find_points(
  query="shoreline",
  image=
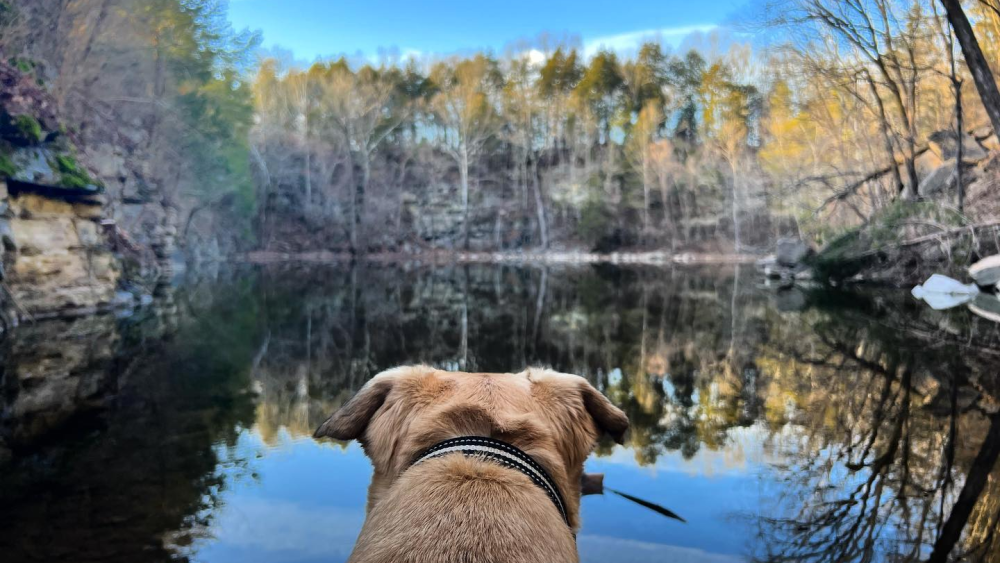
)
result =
(639, 258)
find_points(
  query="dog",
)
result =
(521, 435)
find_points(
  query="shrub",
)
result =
(28, 128)
(71, 174)
(22, 64)
(7, 168)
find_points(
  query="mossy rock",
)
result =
(71, 174)
(20, 63)
(7, 167)
(21, 130)
(877, 245)
(29, 128)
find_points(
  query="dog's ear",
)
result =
(609, 418)
(351, 420)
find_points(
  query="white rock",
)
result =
(986, 272)
(942, 292)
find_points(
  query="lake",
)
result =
(795, 425)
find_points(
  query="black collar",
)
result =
(504, 454)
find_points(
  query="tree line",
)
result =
(526, 149)
(826, 129)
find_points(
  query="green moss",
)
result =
(71, 174)
(7, 168)
(28, 128)
(22, 64)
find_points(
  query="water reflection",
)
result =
(800, 426)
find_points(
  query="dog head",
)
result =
(556, 418)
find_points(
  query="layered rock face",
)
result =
(55, 254)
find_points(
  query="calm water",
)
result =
(793, 426)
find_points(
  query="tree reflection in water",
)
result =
(874, 422)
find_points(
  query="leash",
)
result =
(503, 454)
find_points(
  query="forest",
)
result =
(814, 119)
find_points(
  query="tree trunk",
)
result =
(307, 166)
(957, 84)
(543, 226)
(911, 174)
(463, 170)
(883, 126)
(358, 242)
(975, 60)
(307, 172)
(736, 219)
(645, 191)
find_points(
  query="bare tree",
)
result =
(364, 108)
(888, 42)
(466, 108)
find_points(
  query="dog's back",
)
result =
(459, 509)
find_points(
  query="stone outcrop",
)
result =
(936, 167)
(941, 180)
(55, 254)
(791, 252)
(789, 264)
(36, 146)
(945, 145)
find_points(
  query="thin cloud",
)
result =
(629, 41)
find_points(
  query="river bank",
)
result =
(646, 258)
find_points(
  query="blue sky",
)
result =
(323, 28)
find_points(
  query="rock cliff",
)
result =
(56, 255)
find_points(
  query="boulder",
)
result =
(945, 145)
(927, 163)
(791, 252)
(986, 272)
(987, 138)
(941, 180)
(942, 292)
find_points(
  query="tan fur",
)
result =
(460, 509)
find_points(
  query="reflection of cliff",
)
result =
(115, 429)
(53, 372)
